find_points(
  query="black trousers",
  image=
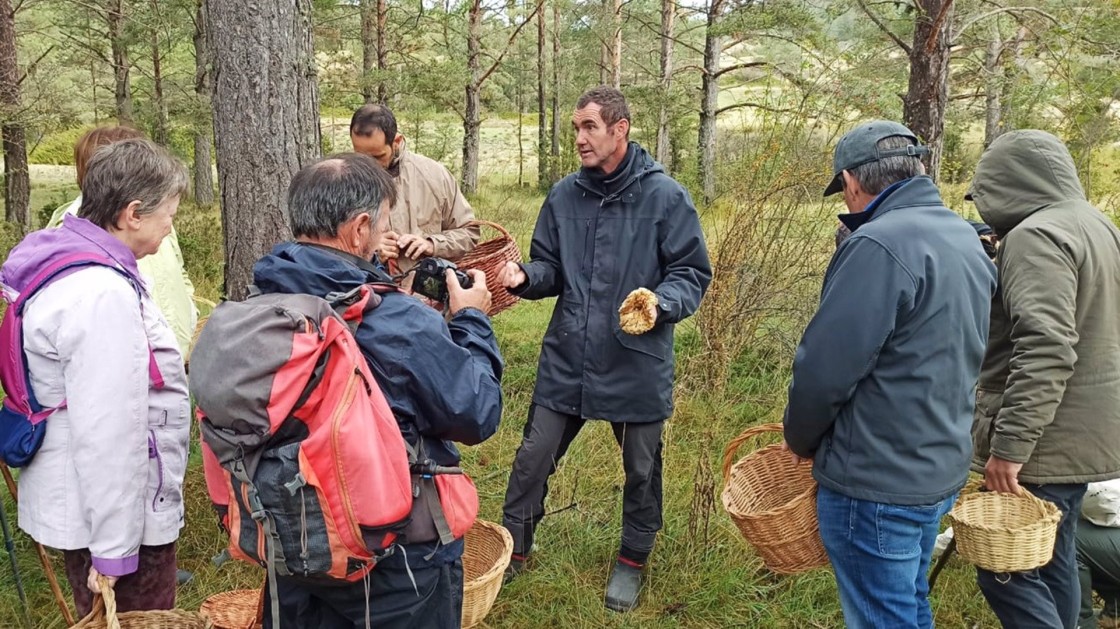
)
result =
(547, 437)
(435, 603)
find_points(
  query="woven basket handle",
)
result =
(104, 607)
(737, 442)
(480, 222)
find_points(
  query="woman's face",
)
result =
(153, 227)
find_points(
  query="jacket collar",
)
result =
(38, 249)
(910, 192)
(640, 165)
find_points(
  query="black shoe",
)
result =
(517, 565)
(183, 577)
(624, 587)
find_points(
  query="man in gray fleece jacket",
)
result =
(882, 392)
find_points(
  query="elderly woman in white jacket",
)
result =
(106, 485)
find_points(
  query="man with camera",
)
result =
(441, 380)
(430, 216)
(618, 224)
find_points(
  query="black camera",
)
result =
(430, 278)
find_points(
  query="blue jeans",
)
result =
(880, 554)
(1048, 597)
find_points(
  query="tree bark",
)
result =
(382, 51)
(554, 154)
(605, 47)
(616, 47)
(472, 112)
(928, 93)
(116, 19)
(369, 47)
(1012, 66)
(668, 17)
(993, 87)
(709, 95)
(17, 182)
(266, 121)
(542, 109)
(160, 103)
(203, 171)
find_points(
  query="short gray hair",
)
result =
(336, 189)
(874, 177)
(127, 171)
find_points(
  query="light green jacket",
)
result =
(1049, 390)
(167, 279)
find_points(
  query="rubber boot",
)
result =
(517, 565)
(624, 586)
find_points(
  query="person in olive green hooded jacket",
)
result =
(1048, 399)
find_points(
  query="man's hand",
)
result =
(477, 296)
(1002, 476)
(390, 247)
(93, 585)
(415, 247)
(652, 311)
(512, 276)
(797, 460)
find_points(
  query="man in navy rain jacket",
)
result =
(442, 381)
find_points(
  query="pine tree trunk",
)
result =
(554, 155)
(616, 47)
(266, 121)
(472, 112)
(993, 87)
(160, 103)
(122, 86)
(542, 109)
(203, 170)
(17, 182)
(709, 95)
(369, 47)
(665, 76)
(928, 93)
(382, 51)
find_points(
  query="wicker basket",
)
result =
(239, 609)
(1005, 532)
(489, 257)
(104, 615)
(773, 502)
(488, 548)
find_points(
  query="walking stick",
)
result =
(10, 545)
(43, 559)
(941, 561)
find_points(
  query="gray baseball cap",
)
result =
(861, 146)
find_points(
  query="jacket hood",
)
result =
(293, 267)
(38, 249)
(1021, 173)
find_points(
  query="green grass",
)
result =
(701, 580)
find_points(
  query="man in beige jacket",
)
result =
(431, 214)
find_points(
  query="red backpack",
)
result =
(300, 444)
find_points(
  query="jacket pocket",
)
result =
(657, 343)
(165, 488)
(988, 404)
(898, 529)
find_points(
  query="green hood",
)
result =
(1021, 173)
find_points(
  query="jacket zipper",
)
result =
(336, 424)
